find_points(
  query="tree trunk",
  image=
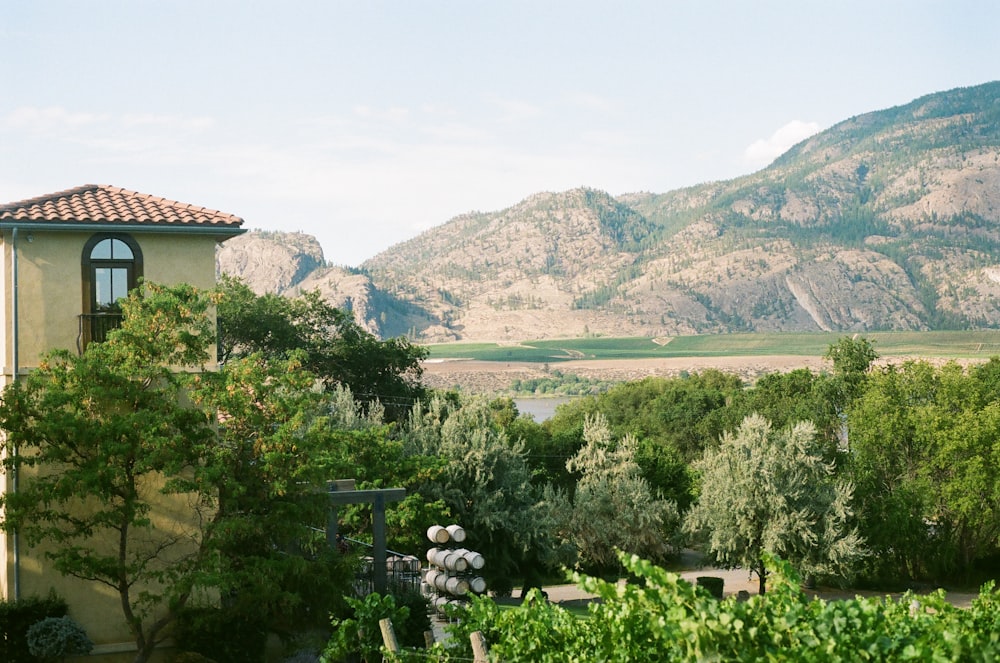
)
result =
(761, 578)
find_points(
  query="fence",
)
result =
(402, 572)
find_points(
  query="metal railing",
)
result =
(94, 328)
(402, 571)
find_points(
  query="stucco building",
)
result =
(66, 258)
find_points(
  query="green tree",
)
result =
(673, 419)
(614, 507)
(852, 359)
(108, 441)
(486, 485)
(923, 456)
(785, 398)
(336, 348)
(260, 477)
(770, 491)
(99, 439)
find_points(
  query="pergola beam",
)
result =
(342, 492)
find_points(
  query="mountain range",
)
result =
(886, 221)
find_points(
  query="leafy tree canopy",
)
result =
(770, 491)
(614, 507)
(922, 455)
(98, 441)
(106, 442)
(486, 484)
(336, 348)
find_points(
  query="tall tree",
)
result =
(923, 455)
(113, 444)
(852, 358)
(614, 506)
(336, 348)
(264, 470)
(486, 485)
(98, 440)
(766, 490)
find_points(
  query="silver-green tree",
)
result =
(486, 485)
(613, 506)
(767, 490)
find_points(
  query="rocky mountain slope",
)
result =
(889, 220)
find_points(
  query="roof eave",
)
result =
(226, 231)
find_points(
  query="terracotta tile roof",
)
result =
(99, 203)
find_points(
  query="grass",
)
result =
(576, 607)
(946, 344)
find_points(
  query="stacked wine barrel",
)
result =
(452, 574)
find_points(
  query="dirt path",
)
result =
(737, 580)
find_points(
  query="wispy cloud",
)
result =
(515, 110)
(765, 150)
(358, 180)
(51, 119)
(171, 122)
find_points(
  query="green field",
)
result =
(948, 344)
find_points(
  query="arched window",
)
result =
(112, 265)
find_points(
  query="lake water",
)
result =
(540, 409)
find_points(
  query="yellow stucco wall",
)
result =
(50, 299)
(50, 282)
(97, 607)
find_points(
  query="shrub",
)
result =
(713, 585)
(55, 638)
(16, 617)
(410, 632)
(221, 635)
(362, 635)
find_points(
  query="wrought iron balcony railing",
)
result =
(94, 328)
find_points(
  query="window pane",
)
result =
(110, 285)
(119, 283)
(102, 251)
(102, 286)
(120, 250)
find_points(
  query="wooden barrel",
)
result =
(475, 560)
(456, 532)
(447, 559)
(438, 534)
(478, 584)
(410, 563)
(442, 602)
(451, 584)
(456, 586)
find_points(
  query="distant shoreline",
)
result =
(478, 376)
(489, 377)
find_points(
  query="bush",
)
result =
(410, 632)
(16, 617)
(714, 586)
(361, 636)
(55, 638)
(667, 619)
(221, 635)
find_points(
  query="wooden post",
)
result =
(479, 650)
(378, 498)
(388, 635)
(378, 542)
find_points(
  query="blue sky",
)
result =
(364, 123)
